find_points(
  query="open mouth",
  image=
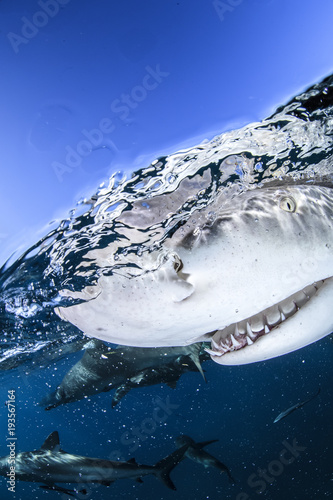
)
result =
(248, 331)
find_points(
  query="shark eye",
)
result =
(288, 204)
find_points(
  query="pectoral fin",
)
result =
(194, 355)
(121, 391)
(206, 443)
(60, 489)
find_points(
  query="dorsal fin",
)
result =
(51, 442)
(172, 384)
(132, 461)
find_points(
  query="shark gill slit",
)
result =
(248, 331)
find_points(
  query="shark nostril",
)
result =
(177, 264)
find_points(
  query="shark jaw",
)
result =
(280, 329)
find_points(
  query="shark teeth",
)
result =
(249, 341)
(246, 332)
(215, 345)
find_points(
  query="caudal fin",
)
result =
(50, 401)
(163, 468)
(224, 469)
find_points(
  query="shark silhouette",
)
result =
(196, 452)
(50, 465)
(103, 368)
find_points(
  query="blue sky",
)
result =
(89, 88)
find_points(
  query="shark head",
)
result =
(256, 281)
(296, 268)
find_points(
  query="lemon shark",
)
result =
(50, 465)
(257, 280)
(103, 368)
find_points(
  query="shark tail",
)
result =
(163, 468)
(232, 480)
(224, 470)
(317, 393)
(50, 401)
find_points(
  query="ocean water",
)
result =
(237, 405)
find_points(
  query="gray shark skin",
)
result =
(166, 374)
(103, 368)
(257, 281)
(196, 452)
(295, 407)
(50, 465)
(152, 357)
(99, 369)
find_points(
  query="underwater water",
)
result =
(238, 404)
